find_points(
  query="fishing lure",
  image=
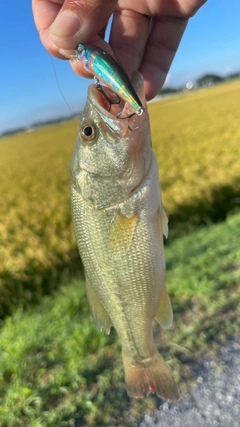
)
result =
(107, 70)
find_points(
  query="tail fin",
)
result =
(150, 375)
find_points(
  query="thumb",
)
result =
(80, 21)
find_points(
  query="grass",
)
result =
(196, 139)
(56, 368)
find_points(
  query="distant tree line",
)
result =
(38, 124)
(206, 80)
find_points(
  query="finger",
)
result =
(188, 8)
(162, 44)
(80, 21)
(44, 13)
(128, 38)
(65, 24)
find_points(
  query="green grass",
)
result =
(56, 367)
(196, 140)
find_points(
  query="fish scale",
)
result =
(133, 263)
(119, 224)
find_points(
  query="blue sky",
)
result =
(28, 88)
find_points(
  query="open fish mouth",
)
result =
(106, 99)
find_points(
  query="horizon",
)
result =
(72, 116)
(33, 82)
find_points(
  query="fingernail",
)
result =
(67, 24)
(69, 54)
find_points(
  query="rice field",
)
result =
(196, 139)
(56, 368)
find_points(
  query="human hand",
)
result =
(145, 34)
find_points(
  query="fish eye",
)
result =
(88, 132)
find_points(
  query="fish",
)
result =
(106, 69)
(119, 223)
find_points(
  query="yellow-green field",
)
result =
(36, 235)
(56, 368)
(196, 137)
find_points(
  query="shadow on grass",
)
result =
(205, 211)
(20, 293)
(186, 218)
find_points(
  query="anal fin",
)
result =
(164, 314)
(99, 313)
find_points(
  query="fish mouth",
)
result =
(110, 103)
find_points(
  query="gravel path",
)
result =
(214, 401)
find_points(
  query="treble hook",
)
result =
(110, 101)
(126, 117)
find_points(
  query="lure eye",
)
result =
(80, 49)
(88, 133)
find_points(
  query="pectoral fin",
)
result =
(164, 314)
(121, 233)
(99, 313)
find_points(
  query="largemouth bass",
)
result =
(119, 224)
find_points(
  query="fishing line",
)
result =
(59, 87)
(61, 92)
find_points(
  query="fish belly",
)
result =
(122, 251)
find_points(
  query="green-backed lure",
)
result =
(107, 70)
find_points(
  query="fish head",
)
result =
(110, 146)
